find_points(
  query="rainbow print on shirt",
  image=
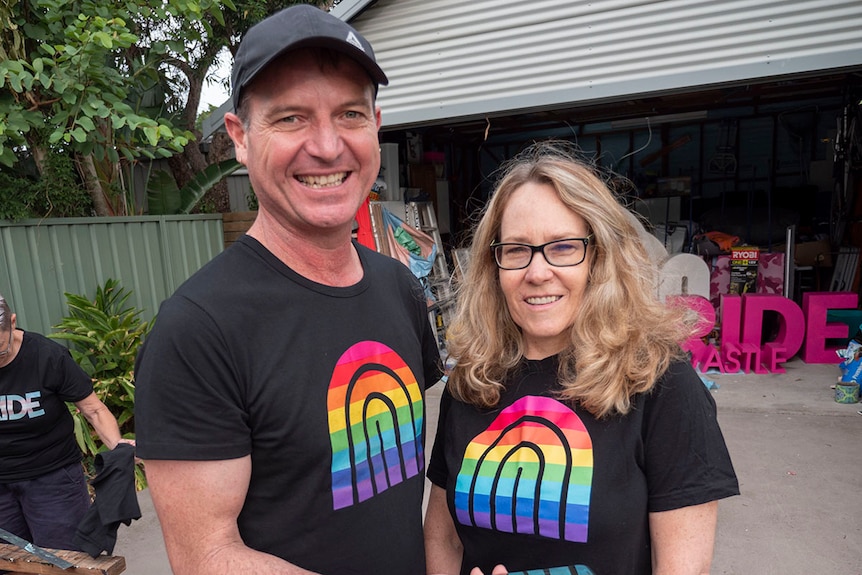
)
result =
(529, 472)
(573, 570)
(376, 413)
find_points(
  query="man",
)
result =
(280, 395)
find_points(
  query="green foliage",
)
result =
(69, 75)
(104, 337)
(58, 193)
(163, 197)
(17, 196)
(251, 200)
(85, 77)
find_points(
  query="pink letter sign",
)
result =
(706, 321)
(817, 331)
(790, 332)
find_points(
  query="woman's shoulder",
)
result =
(679, 368)
(682, 384)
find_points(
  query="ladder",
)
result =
(421, 215)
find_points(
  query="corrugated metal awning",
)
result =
(450, 59)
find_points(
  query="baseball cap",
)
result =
(300, 26)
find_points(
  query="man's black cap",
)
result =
(300, 26)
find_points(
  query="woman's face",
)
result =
(542, 299)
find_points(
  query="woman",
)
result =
(574, 437)
(43, 491)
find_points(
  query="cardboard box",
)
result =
(817, 253)
(743, 269)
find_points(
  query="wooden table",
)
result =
(14, 560)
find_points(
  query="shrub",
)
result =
(104, 338)
(57, 193)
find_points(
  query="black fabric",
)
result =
(249, 358)
(36, 428)
(115, 503)
(517, 459)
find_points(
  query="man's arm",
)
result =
(198, 503)
(683, 539)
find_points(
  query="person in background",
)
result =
(574, 436)
(280, 394)
(43, 490)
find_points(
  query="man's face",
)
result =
(310, 141)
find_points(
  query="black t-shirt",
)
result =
(323, 387)
(36, 429)
(537, 484)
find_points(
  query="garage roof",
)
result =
(450, 60)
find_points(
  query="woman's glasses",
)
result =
(559, 253)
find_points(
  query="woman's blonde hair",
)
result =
(623, 337)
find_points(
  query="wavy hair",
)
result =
(623, 337)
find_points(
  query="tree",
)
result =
(111, 84)
(76, 78)
(188, 66)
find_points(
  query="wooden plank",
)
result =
(14, 560)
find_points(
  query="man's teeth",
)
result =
(542, 300)
(323, 181)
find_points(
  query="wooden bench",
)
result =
(14, 560)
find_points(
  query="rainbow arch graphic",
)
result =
(376, 415)
(573, 570)
(529, 472)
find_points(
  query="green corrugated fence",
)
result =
(150, 256)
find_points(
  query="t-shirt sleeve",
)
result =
(432, 365)
(189, 403)
(438, 471)
(75, 384)
(685, 456)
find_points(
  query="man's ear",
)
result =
(236, 131)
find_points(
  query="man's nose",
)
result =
(326, 140)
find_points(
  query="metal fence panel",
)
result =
(41, 260)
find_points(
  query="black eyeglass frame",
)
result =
(539, 248)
